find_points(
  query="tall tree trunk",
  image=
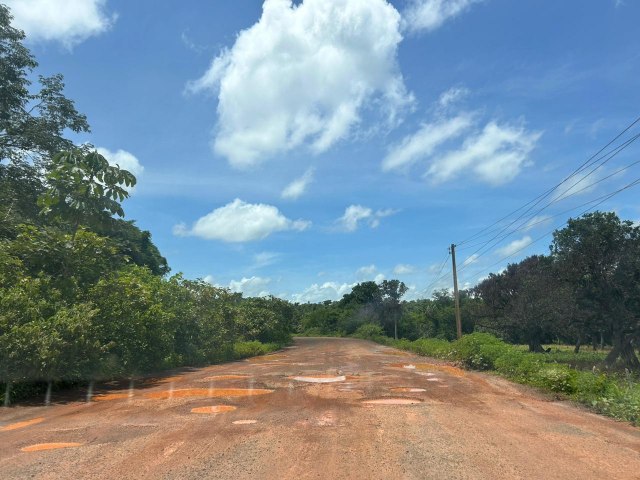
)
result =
(535, 346)
(623, 350)
(578, 343)
(7, 394)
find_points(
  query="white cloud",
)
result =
(536, 222)
(320, 292)
(354, 214)
(470, 260)
(296, 188)
(580, 184)
(452, 96)
(239, 221)
(122, 158)
(264, 259)
(403, 269)
(368, 273)
(423, 143)
(251, 287)
(429, 15)
(69, 22)
(496, 155)
(302, 75)
(514, 246)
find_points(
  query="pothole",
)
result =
(244, 422)
(217, 378)
(208, 392)
(49, 446)
(456, 372)
(320, 378)
(392, 401)
(408, 389)
(17, 425)
(214, 409)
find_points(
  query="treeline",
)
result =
(586, 290)
(84, 294)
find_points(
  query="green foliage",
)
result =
(32, 121)
(479, 350)
(253, 348)
(369, 331)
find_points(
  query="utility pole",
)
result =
(456, 293)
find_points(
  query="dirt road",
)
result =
(324, 408)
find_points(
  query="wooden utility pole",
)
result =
(456, 293)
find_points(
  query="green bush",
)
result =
(557, 378)
(479, 350)
(252, 349)
(432, 347)
(369, 331)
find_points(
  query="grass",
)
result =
(560, 372)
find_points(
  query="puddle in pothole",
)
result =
(49, 446)
(408, 389)
(392, 401)
(214, 409)
(17, 425)
(208, 392)
(244, 422)
(319, 378)
(217, 378)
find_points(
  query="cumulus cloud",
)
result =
(122, 158)
(302, 75)
(239, 221)
(296, 188)
(320, 292)
(429, 15)
(354, 214)
(496, 155)
(69, 22)
(251, 287)
(423, 143)
(369, 272)
(403, 269)
(515, 246)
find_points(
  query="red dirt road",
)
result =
(442, 423)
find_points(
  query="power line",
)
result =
(527, 225)
(604, 198)
(543, 195)
(432, 284)
(603, 160)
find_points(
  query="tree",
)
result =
(392, 292)
(31, 124)
(82, 188)
(597, 255)
(525, 303)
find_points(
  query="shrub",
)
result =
(432, 347)
(369, 331)
(479, 350)
(557, 378)
(252, 349)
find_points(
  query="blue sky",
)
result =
(297, 148)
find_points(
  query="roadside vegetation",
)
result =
(567, 322)
(84, 294)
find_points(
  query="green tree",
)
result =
(392, 291)
(31, 124)
(82, 188)
(597, 256)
